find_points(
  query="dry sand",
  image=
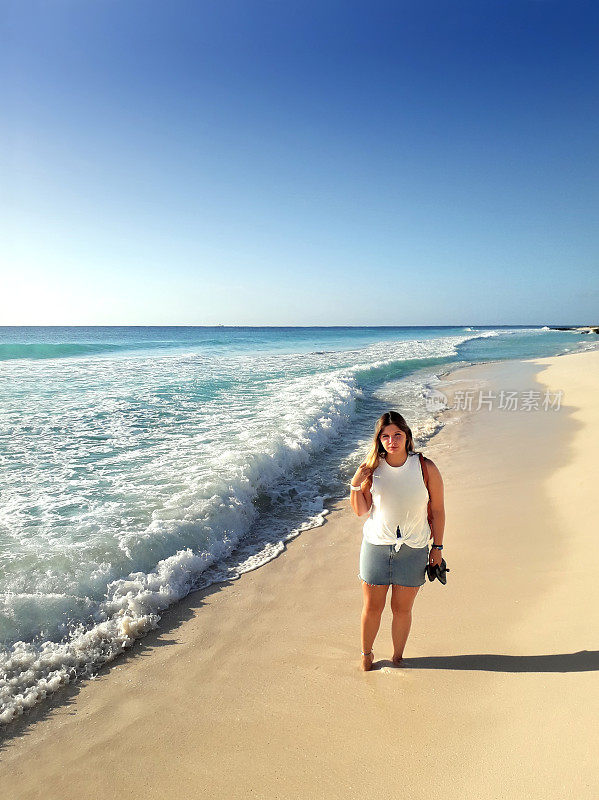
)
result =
(253, 688)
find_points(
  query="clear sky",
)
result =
(273, 162)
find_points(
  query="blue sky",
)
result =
(276, 162)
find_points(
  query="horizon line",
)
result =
(218, 325)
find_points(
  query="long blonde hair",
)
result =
(377, 449)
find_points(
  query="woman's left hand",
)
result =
(435, 556)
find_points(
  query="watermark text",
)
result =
(503, 400)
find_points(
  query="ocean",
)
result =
(138, 464)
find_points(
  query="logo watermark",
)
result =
(477, 400)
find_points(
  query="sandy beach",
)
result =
(253, 688)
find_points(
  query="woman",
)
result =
(389, 484)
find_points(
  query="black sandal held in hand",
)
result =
(438, 571)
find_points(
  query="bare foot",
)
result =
(398, 660)
(367, 661)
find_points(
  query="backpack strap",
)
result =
(429, 513)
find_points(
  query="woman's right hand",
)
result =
(361, 474)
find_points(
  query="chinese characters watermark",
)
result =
(477, 399)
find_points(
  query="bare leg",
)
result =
(374, 603)
(402, 600)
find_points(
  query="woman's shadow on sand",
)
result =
(582, 661)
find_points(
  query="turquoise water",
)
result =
(139, 464)
(59, 342)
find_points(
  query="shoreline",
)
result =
(107, 645)
(272, 663)
(110, 645)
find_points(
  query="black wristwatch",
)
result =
(438, 546)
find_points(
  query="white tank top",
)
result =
(399, 498)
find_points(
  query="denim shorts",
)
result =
(383, 565)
